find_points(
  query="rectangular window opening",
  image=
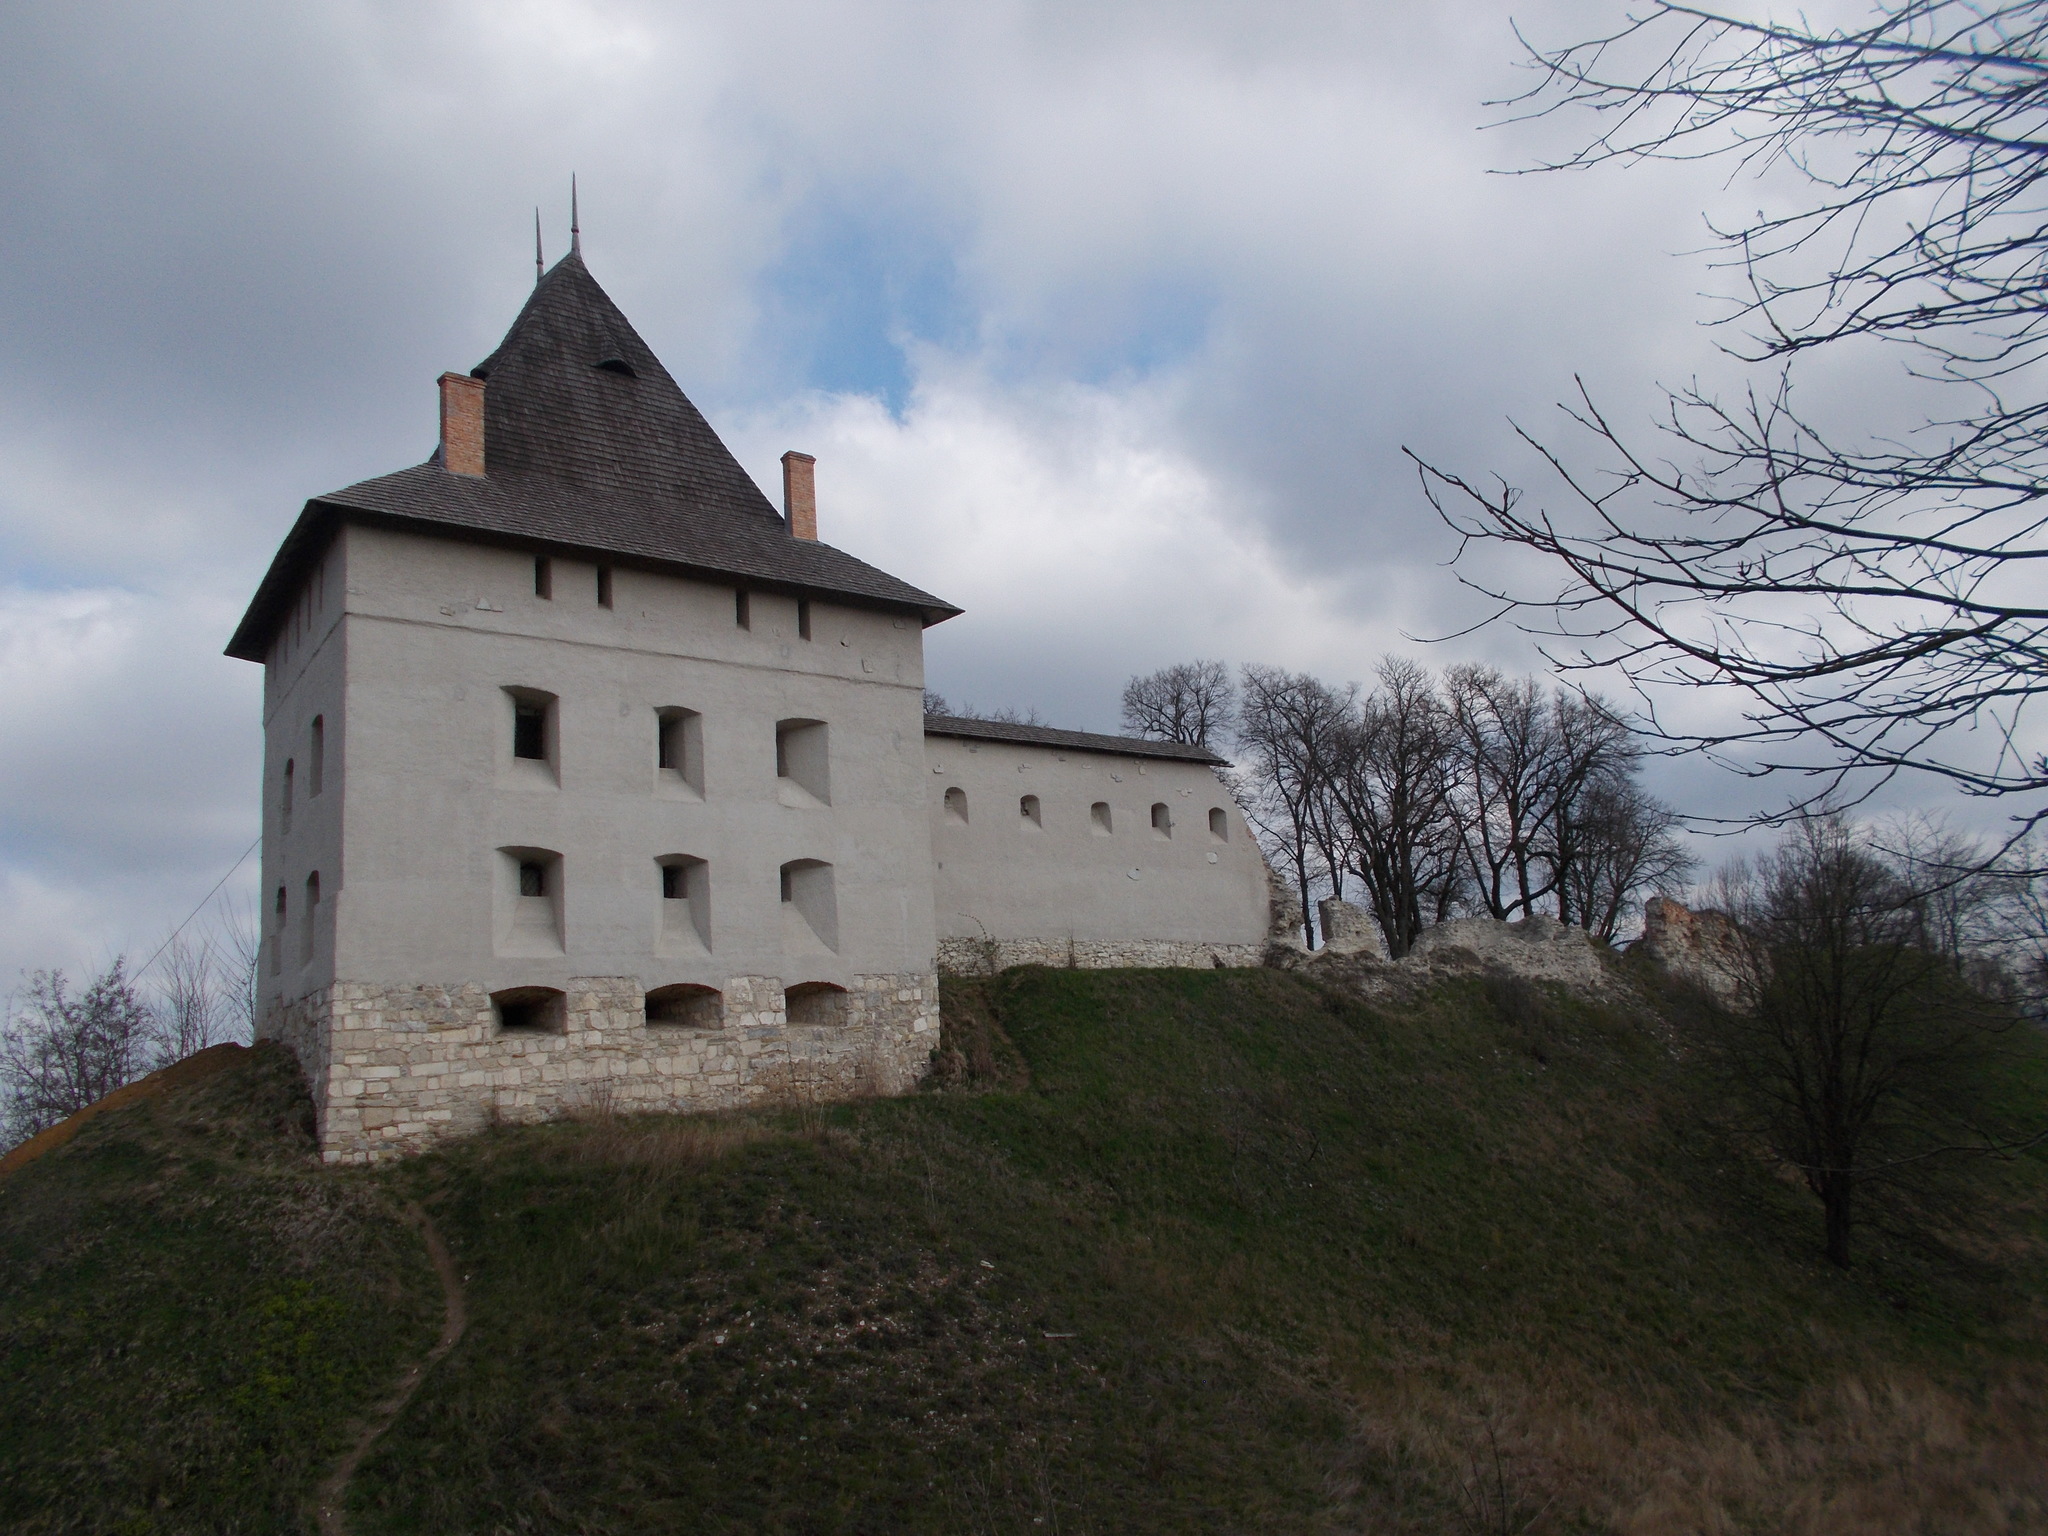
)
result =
(675, 882)
(604, 586)
(803, 618)
(530, 731)
(742, 609)
(543, 576)
(316, 758)
(533, 878)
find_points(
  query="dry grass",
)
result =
(662, 1144)
(1873, 1453)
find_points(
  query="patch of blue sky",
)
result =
(862, 282)
(857, 286)
(1147, 322)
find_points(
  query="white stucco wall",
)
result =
(436, 631)
(303, 681)
(1130, 895)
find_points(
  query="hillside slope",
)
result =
(1187, 1250)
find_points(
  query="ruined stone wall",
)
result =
(1705, 947)
(984, 957)
(395, 1068)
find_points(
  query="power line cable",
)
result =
(223, 880)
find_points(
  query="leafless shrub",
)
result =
(60, 1050)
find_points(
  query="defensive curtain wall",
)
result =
(1058, 847)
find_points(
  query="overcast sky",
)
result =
(1106, 321)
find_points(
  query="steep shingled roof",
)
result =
(1077, 741)
(589, 448)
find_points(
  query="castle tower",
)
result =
(588, 777)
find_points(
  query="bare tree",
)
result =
(935, 704)
(1290, 728)
(1627, 848)
(1873, 602)
(238, 947)
(1593, 767)
(189, 1001)
(1858, 1056)
(1395, 786)
(60, 1051)
(1507, 746)
(1191, 702)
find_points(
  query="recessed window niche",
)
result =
(1219, 824)
(956, 806)
(810, 906)
(1029, 815)
(531, 753)
(815, 1004)
(1162, 819)
(530, 1011)
(679, 752)
(685, 1006)
(685, 927)
(802, 763)
(309, 920)
(529, 904)
(1098, 818)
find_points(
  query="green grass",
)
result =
(190, 1310)
(1185, 1251)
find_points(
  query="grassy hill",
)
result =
(1178, 1251)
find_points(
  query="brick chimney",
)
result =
(800, 494)
(462, 424)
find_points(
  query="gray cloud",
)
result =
(1168, 287)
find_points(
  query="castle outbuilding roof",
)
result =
(1077, 741)
(591, 449)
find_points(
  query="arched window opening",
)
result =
(309, 918)
(1028, 814)
(815, 1004)
(316, 757)
(529, 1010)
(1219, 824)
(291, 769)
(1162, 819)
(685, 1007)
(685, 903)
(277, 932)
(803, 762)
(1098, 818)
(956, 805)
(810, 905)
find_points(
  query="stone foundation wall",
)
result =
(983, 957)
(394, 1068)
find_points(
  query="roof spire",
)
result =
(537, 265)
(575, 233)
